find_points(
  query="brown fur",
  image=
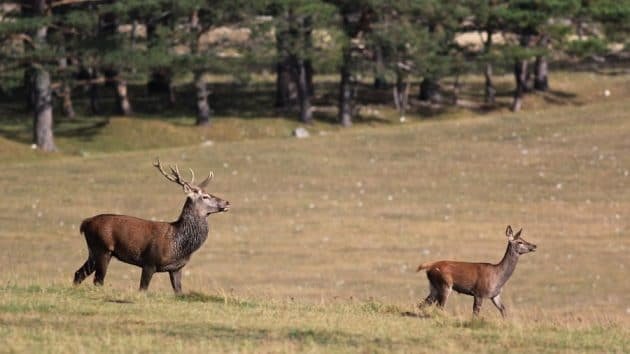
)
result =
(132, 240)
(480, 280)
(154, 246)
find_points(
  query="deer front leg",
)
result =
(145, 279)
(176, 280)
(497, 302)
(477, 305)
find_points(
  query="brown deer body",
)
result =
(152, 245)
(480, 280)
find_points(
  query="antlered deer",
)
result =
(481, 280)
(152, 245)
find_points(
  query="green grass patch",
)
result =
(318, 253)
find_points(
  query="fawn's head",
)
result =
(518, 243)
(203, 203)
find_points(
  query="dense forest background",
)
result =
(196, 57)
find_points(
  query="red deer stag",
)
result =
(152, 245)
(481, 280)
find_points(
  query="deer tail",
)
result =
(84, 225)
(425, 265)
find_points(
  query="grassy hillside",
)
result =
(62, 319)
(249, 114)
(319, 250)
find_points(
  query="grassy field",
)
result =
(319, 251)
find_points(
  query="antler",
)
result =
(174, 176)
(204, 183)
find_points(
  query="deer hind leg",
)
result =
(430, 300)
(477, 305)
(101, 263)
(444, 292)
(441, 285)
(499, 304)
(86, 269)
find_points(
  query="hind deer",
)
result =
(480, 280)
(153, 246)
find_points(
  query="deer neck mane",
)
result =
(506, 267)
(191, 230)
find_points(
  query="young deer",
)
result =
(481, 280)
(152, 245)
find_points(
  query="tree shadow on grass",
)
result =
(226, 299)
(118, 301)
(558, 97)
(414, 314)
(82, 129)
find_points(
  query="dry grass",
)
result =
(62, 319)
(319, 250)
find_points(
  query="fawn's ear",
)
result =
(509, 233)
(518, 234)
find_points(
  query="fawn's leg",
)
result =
(443, 295)
(86, 269)
(499, 304)
(429, 299)
(101, 262)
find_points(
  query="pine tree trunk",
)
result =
(66, 97)
(490, 92)
(283, 76)
(307, 31)
(161, 82)
(520, 75)
(301, 78)
(429, 90)
(285, 90)
(379, 69)
(66, 92)
(91, 75)
(94, 99)
(124, 107)
(29, 90)
(194, 20)
(541, 81)
(401, 92)
(203, 108)
(43, 117)
(308, 67)
(345, 92)
(456, 89)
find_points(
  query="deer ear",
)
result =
(508, 232)
(187, 188)
(518, 234)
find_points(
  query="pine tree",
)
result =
(486, 20)
(405, 49)
(355, 21)
(293, 22)
(31, 49)
(533, 23)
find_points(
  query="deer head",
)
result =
(518, 243)
(203, 203)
